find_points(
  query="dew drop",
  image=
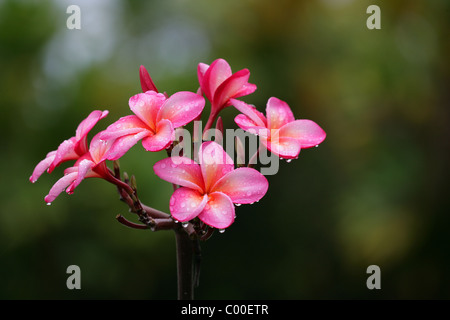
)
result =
(288, 160)
(281, 158)
(193, 205)
(184, 224)
(317, 145)
(237, 204)
(173, 165)
(221, 230)
(163, 165)
(172, 201)
(49, 203)
(182, 205)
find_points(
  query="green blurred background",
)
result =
(375, 192)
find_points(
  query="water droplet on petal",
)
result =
(317, 145)
(281, 158)
(193, 205)
(172, 201)
(49, 203)
(184, 224)
(221, 230)
(288, 160)
(173, 165)
(163, 165)
(183, 205)
(237, 204)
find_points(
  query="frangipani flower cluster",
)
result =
(206, 191)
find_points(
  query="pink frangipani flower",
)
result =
(154, 121)
(279, 132)
(209, 189)
(90, 165)
(70, 149)
(219, 84)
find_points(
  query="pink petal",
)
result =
(181, 171)
(164, 136)
(245, 90)
(278, 113)
(284, 147)
(84, 166)
(121, 145)
(231, 87)
(219, 211)
(87, 124)
(59, 186)
(306, 131)
(250, 111)
(64, 153)
(123, 127)
(98, 148)
(186, 204)
(217, 73)
(243, 185)
(181, 108)
(214, 162)
(201, 69)
(146, 81)
(146, 106)
(42, 166)
(248, 125)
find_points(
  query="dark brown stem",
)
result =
(185, 264)
(130, 224)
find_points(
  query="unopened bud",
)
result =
(146, 81)
(219, 131)
(240, 152)
(133, 182)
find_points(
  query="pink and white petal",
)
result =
(87, 124)
(84, 166)
(146, 106)
(231, 87)
(98, 148)
(59, 186)
(181, 171)
(217, 73)
(65, 152)
(243, 185)
(278, 113)
(250, 111)
(121, 145)
(219, 211)
(309, 133)
(42, 166)
(284, 147)
(146, 81)
(186, 204)
(164, 136)
(181, 108)
(123, 127)
(214, 162)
